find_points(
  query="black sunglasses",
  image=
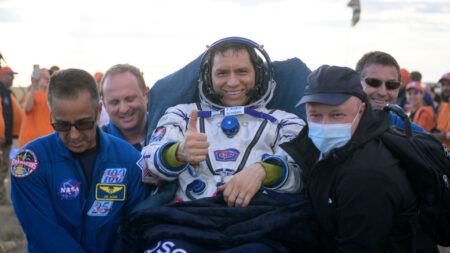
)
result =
(65, 126)
(390, 85)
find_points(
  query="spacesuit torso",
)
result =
(238, 137)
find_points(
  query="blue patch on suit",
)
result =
(226, 155)
(158, 134)
(114, 175)
(69, 189)
(100, 208)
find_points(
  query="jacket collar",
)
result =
(114, 130)
(103, 142)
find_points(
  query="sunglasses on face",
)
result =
(64, 126)
(390, 85)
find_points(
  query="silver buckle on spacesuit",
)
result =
(223, 172)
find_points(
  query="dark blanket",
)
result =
(288, 225)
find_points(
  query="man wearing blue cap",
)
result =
(356, 186)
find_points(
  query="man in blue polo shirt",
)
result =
(124, 95)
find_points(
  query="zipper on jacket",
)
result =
(100, 230)
(84, 185)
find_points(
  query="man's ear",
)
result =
(362, 109)
(100, 105)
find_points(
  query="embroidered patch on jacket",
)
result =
(112, 192)
(100, 208)
(158, 134)
(226, 155)
(24, 163)
(113, 175)
(69, 189)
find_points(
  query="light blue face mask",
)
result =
(327, 137)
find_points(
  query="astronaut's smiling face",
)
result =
(232, 75)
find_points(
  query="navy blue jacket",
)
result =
(58, 211)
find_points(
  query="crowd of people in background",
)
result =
(61, 121)
(426, 104)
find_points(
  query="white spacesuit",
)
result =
(238, 137)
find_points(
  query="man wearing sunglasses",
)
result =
(71, 188)
(380, 78)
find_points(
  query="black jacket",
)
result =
(7, 111)
(362, 198)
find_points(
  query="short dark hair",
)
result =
(376, 57)
(122, 68)
(261, 74)
(53, 69)
(416, 76)
(236, 47)
(69, 83)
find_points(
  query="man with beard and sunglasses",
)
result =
(70, 188)
(380, 79)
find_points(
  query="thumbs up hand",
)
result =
(194, 148)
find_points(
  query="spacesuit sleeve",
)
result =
(288, 126)
(171, 129)
(35, 210)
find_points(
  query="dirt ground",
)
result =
(12, 239)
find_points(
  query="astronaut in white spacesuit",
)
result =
(228, 141)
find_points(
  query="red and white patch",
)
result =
(158, 134)
(24, 163)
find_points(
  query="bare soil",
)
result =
(12, 238)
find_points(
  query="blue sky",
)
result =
(160, 37)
